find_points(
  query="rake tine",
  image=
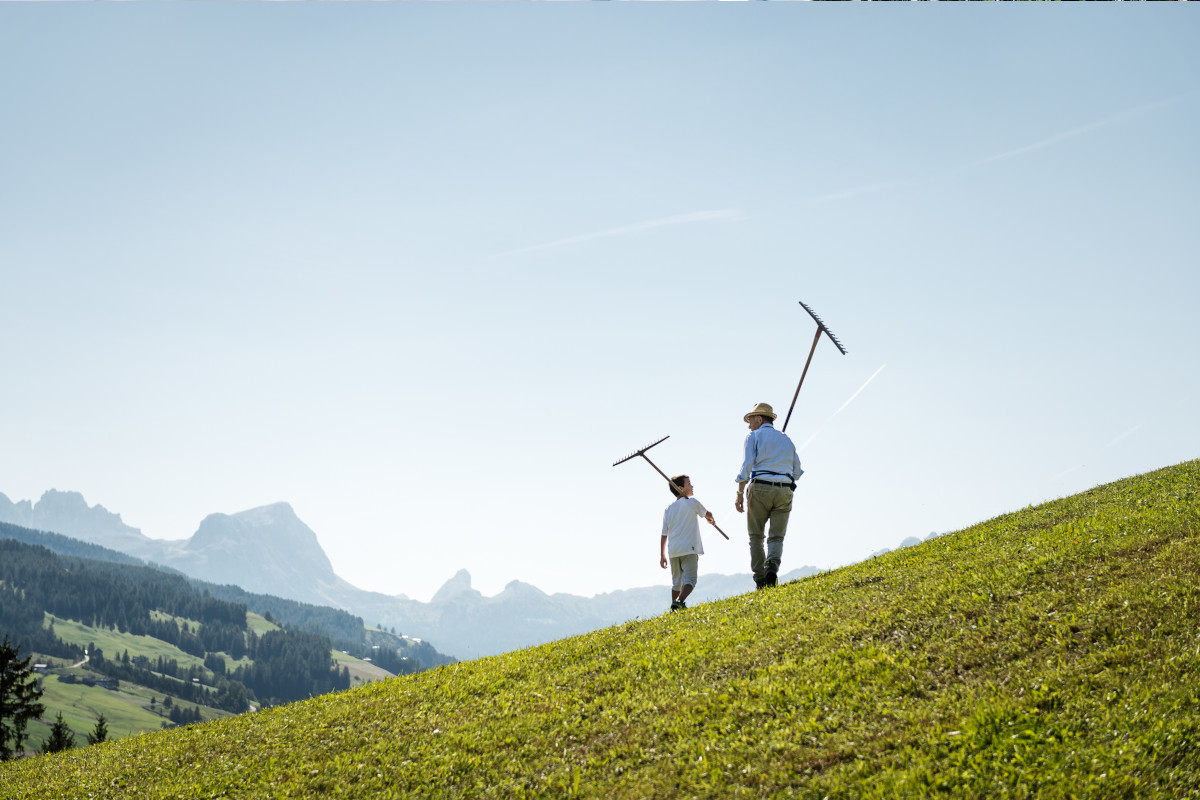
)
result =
(824, 327)
(641, 452)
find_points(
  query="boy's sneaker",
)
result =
(772, 576)
(676, 605)
(760, 583)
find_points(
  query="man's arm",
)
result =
(744, 475)
(750, 451)
(662, 552)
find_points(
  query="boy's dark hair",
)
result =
(678, 481)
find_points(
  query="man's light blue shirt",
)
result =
(770, 455)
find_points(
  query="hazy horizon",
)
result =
(426, 270)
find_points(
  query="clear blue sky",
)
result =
(425, 271)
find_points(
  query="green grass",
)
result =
(1047, 653)
(126, 712)
(361, 672)
(259, 624)
(155, 614)
(114, 643)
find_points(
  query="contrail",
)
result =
(843, 408)
(855, 191)
(1129, 432)
(1067, 471)
(1082, 129)
(678, 219)
(856, 394)
(1124, 435)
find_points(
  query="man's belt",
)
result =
(788, 484)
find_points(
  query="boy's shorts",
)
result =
(683, 570)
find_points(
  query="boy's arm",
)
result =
(708, 516)
(662, 552)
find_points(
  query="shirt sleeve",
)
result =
(701, 511)
(751, 448)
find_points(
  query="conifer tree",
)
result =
(100, 732)
(18, 699)
(61, 737)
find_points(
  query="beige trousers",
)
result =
(766, 504)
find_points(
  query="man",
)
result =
(771, 467)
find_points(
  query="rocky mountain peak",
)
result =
(67, 513)
(457, 588)
(268, 535)
(65, 508)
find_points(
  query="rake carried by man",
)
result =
(771, 467)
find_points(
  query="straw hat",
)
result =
(760, 410)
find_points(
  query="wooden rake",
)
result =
(642, 453)
(821, 328)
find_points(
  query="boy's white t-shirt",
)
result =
(681, 526)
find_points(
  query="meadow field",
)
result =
(1047, 653)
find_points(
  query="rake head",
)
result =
(824, 328)
(640, 452)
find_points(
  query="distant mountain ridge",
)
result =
(269, 550)
(344, 630)
(63, 512)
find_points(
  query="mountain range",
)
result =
(269, 550)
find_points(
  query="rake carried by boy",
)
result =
(681, 546)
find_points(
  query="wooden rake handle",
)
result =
(812, 350)
(821, 328)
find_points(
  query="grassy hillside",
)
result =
(140, 642)
(114, 642)
(127, 711)
(1047, 653)
(134, 709)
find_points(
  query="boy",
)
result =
(681, 539)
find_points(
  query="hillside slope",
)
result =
(1045, 653)
(269, 551)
